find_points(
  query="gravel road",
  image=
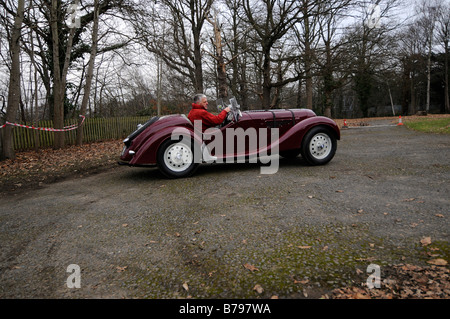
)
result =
(230, 232)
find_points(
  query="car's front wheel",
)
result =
(176, 158)
(319, 146)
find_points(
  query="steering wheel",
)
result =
(234, 113)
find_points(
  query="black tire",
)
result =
(319, 146)
(175, 158)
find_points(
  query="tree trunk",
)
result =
(198, 70)
(428, 81)
(14, 84)
(58, 108)
(447, 102)
(299, 92)
(89, 73)
(59, 76)
(328, 81)
(221, 65)
(266, 85)
(308, 76)
(243, 89)
(158, 85)
(412, 105)
(307, 57)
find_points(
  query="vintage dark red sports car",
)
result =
(178, 147)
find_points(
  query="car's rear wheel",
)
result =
(176, 158)
(319, 146)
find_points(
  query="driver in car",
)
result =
(200, 112)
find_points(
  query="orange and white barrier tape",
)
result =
(48, 129)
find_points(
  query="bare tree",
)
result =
(444, 38)
(59, 75)
(236, 41)
(179, 47)
(271, 21)
(14, 82)
(333, 54)
(218, 56)
(370, 46)
(307, 35)
(90, 71)
(429, 10)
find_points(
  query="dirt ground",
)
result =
(230, 231)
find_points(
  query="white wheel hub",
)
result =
(178, 157)
(320, 146)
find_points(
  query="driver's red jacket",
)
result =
(198, 112)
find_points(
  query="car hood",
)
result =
(280, 114)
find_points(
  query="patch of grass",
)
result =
(441, 126)
(306, 258)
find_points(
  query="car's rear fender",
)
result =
(293, 138)
(147, 153)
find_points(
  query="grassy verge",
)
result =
(441, 126)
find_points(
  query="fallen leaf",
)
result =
(304, 247)
(302, 282)
(425, 241)
(250, 267)
(438, 262)
(121, 269)
(185, 286)
(359, 295)
(258, 289)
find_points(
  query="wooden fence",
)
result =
(94, 129)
